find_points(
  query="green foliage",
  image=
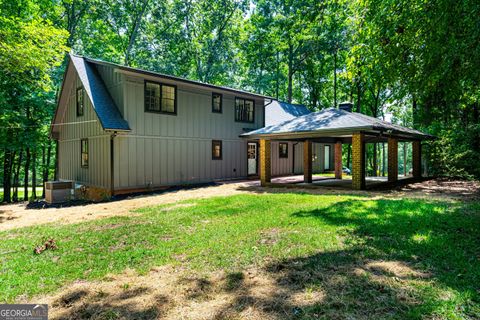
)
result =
(413, 62)
(454, 153)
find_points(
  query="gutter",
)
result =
(112, 164)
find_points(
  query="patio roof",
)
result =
(278, 111)
(336, 123)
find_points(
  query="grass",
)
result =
(330, 175)
(335, 244)
(21, 192)
(20, 195)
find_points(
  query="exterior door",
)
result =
(252, 158)
(327, 158)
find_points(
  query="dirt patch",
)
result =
(16, 215)
(165, 293)
(280, 290)
(270, 236)
(397, 269)
(445, 188)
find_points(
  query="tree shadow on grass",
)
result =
(127, 304)
(436, 240)
(405, 259)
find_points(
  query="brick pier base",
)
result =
(265, 162)
(358, 161)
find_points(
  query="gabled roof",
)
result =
(107, 112)
(334, 122)
(174, 78)
(278, 111)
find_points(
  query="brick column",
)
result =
(417, 159)
(265, 161)
(392, 159)
(358, 161)
(307, 161)
(338, 160)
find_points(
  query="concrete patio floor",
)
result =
(326, 181)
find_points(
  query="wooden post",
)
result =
(307, 161)
(265, 161)
(358, 161)
(338, 160)
(392, 159)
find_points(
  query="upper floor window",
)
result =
(84, 152)
(80, 102)
(160, 98)
(244, 110)
(217, 102)
(283, 150)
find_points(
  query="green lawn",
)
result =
(317, 242)
(21, 193)
(331, 175)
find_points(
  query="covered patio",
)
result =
(339, 127)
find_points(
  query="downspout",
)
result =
(55, 173)
(112, 184)
(293, 157)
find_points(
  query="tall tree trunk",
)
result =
(335, 79)
(359, 94)
(375, 164)
(349, 152)
(16, 176)
(34, 175)
(43, 167)
(7, 175)
(290, 74)
(405, 172)
(47, 166)
(134, 33)
(383, 159)
(277, 77)
(25, 178)
(415, 112)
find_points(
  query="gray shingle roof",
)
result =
(277, 112)
(335, 120)
(106, 110)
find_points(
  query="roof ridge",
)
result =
(172, 77)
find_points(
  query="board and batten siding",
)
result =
(281, 166)
(164, 149)
(72, 130)
(318, 151)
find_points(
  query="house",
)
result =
(121, 129)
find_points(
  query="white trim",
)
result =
(90, 137)
(179, 138)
